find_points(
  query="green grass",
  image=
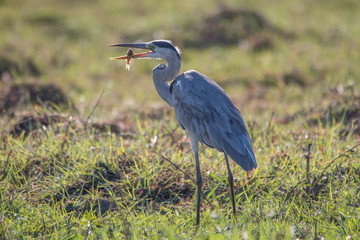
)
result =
(70, 184)
(119, 166)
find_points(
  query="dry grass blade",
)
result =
(93, 110)
(176, 166)
(308, 163)
(327, 166)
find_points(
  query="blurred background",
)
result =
(279, 56)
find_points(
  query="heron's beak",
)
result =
(132, 45)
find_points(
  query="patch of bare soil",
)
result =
(166, 189)
(294, 77)
(154, 113)
(103, 174)
(9, 67)
(229, 26)
(31, 93)
(30, 123)
(169, 188)
(344, 107)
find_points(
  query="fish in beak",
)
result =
(130, 54)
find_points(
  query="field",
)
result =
(89, 150)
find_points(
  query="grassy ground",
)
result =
(88, 150)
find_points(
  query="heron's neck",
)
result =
(162, 74)
(171, 71)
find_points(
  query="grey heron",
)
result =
(202, 108)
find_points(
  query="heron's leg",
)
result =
(199, 185)
(231, 183)
(195, 148)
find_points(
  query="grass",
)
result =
(115, 164)
(78, 183)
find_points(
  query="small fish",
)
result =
(129, 55)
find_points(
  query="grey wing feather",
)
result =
(204, 109)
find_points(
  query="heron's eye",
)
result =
(152, 47)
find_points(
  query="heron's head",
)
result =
(158, 49)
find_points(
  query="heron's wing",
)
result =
(204, 109)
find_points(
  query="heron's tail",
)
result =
(237, 146)
(239, 149)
